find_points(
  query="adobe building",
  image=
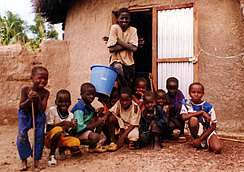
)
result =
(193, 40)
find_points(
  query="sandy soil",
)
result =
(172, 157)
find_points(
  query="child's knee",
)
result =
(93, 138)
(171, 125)
(193, 122)
(112, 119)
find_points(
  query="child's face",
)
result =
(88, 95)
(125, 100)
(114, 98)
(149, 103)
(172, 88)
(124, 20)
(63, 102)
(141, 87)
(196, 94)
(40, 79)
(161, 99)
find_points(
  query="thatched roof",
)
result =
(53, 10)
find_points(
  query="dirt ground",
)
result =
(172, 157)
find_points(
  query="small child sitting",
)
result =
(123, 120)
(84, 113)
(38, 95)
(161, 100)
(153, 121)
(202, 119)
(175, 97)
(59, 124)
(140, 88)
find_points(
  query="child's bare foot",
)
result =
(23, 165)
(38, 165)
(156, 146)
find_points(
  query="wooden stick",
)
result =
(229, 139)
(34, 135)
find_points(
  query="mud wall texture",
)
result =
(16, 65)
(220, 33)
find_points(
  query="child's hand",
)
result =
(105, 38)
(196, 142)
(150, 76)
(99, 122)
(67, 126)
(99, 111)
(207, 116)
(32, 95)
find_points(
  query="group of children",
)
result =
(130, 115)
(138, 119)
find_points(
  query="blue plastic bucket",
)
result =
(103, 78)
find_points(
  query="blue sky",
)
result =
(24, 9)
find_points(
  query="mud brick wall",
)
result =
(15, 70)
(221, 27)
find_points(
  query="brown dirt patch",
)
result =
(173, 157)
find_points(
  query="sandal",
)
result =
(52, 161)
(182, 139)
(132, 145)
(112, 147)
(97, 149)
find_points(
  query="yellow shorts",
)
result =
(67, 141)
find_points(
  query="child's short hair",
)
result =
(140, 79)
(126, 90)
(62, 92)
(123, 10)
(196, 83)
(34, 69)
(85, 86)
(172, 79)
(160, 91)
(148, 94)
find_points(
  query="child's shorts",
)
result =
(64, 141)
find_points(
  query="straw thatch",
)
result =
(53, 10)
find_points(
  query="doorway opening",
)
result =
(142, 20)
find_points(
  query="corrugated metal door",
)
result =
(175, 46)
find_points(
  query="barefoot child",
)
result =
(122, 43)
(140, 88)
(59, 124)
(123, 119)
(153, 121)
(175, 97)
(84, 113)
(37, 94)
(202, 119)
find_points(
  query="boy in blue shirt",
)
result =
(84, 114)
(202, 119)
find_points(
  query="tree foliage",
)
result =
(14, 30)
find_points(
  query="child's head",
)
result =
(149, 101)
(87, 92)
(123, 18)
(114, 96)
(39, 76)
(125, 97)
(172, 86)
(63, 100)
(196, 91)
(160, 96)
(140, 85)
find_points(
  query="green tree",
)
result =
(41, 31)
(12, 29)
